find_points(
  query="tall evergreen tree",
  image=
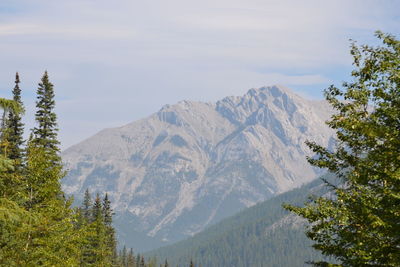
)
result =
(97, 210)
(45, 134)
(94, 235)
(87, 206)
(15, 128)
(52, 241)
(99, 245)
(107, 211)
(102, 254)
(110, 232)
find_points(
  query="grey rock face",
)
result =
(192, 164)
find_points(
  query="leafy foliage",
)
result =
(359, 223)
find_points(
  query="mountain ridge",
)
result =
(193, 163)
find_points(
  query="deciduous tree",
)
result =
(359, 223)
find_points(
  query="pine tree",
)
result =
(102, 254)
(15, 128)
(99, 246)
(110, 232)
(43, 149)
(45, 134)
(88, 232)
(87, 206)
(97, 210)
(107, 211)
(52, 241)
(93, 248)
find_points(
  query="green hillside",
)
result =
(263, 235)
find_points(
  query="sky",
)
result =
(114, 62)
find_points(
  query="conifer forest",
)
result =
(38, 225)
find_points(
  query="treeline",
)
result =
(38, 226)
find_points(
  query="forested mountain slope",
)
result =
(263, 235)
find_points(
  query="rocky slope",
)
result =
(192, 164)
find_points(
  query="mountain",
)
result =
(192, 164)
(262, 235)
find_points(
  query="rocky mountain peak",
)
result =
(238, 109)
(192, 164)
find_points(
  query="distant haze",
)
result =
(116, 62)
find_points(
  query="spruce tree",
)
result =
(94, 235)
(99, 245)
(97, 210)
(15, 128)
(101, 249)
(107, 211)
(45, 134)
(87, 206)
(110, 232)
(53, 240)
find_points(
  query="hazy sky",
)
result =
(113, 62)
